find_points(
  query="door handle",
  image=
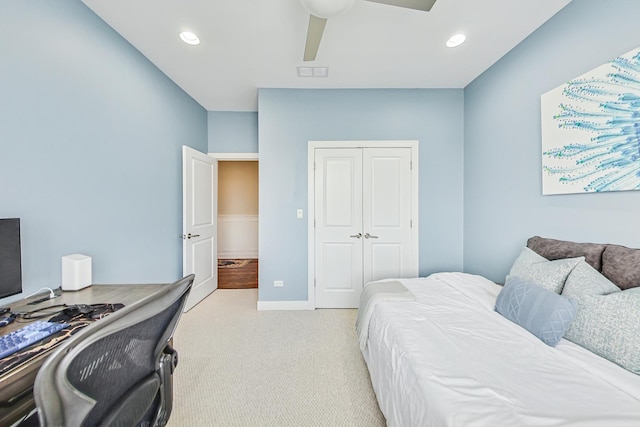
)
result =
(369, 236)
(189, 236)
(357, 236)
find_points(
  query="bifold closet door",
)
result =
(363, 221)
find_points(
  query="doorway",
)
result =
(237, 224)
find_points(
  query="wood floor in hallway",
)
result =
(237, 273)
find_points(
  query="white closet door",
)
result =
(387, 213)
(363, 213)
(338, 248)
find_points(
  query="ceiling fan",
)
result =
(321, 10)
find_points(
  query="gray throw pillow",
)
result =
(542, 312)
(621, 265)
(607, 320)
(556, 249)
(550, 275)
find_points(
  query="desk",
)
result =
(16, 397)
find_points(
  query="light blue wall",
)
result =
(233, 132)
(503, 202)
(90, 136)
(289, 118)
(90, 146)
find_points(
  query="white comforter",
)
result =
(448, 359)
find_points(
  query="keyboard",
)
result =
(27, 335)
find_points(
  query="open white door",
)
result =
(199, 223)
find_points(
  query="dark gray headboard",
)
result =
(617, 263)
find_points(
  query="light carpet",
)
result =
(243, 367)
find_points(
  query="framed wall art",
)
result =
(591, 130)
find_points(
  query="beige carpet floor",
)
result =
(243, 367)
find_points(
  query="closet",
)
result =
(364, 226)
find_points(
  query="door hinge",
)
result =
(314, 282)
(410, 164)
(410, 223)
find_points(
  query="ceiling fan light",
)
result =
(327, 8)
(189, 38)
(456, 40)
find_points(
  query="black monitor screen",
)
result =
(10, 257)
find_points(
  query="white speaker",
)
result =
(76, 272)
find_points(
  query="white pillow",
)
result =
(607, 321)
(550, 275)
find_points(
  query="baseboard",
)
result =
(283, 305)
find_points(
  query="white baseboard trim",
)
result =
(283, 305)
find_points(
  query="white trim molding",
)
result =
(237, 236)
(234, 156)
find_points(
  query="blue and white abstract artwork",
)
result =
(591, 130)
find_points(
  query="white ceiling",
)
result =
(251, 44)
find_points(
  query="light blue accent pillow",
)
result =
(607, 320)
(550, 275)
(542, 312)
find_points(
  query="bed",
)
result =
(446, 357)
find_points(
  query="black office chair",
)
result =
(117, 371)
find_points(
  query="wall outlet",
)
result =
(278, 283)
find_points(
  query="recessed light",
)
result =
(189, 38)
(456, 40)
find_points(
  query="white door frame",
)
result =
(234, 156)
(413, 144)
(218, 157)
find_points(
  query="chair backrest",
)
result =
(117, 371)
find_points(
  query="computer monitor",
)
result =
(10, 257)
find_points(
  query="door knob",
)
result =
(369, 236)
(189, 236)
(357, 236)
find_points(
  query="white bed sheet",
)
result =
(448, 359)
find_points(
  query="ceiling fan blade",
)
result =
(425, 5)
(314, 35)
